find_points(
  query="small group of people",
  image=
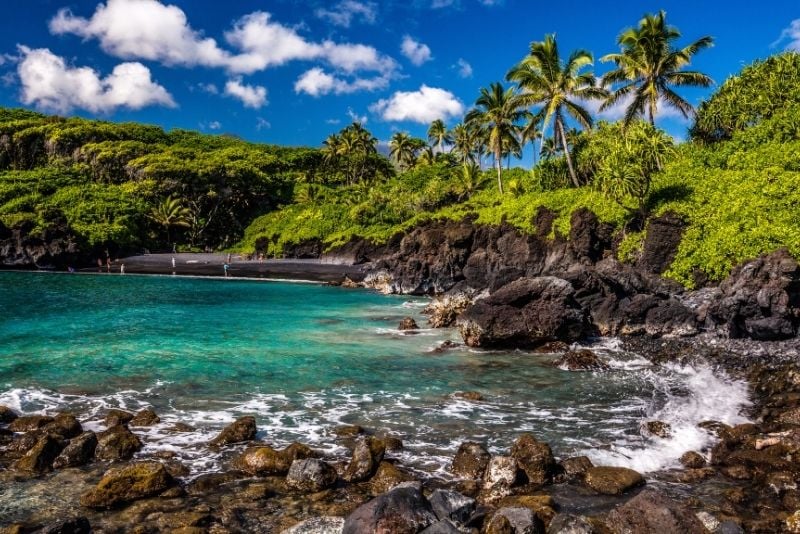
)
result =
(107, 263)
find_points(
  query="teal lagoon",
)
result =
(306, 358)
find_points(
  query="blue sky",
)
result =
(292, 72)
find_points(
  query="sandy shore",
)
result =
(239, 267)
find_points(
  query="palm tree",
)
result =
(559, 87)
(403, 149)
(550, 148)
(463, 142)
(171, 212)
(472, 179)
(530, 133)
(426, 156)
(498, 111)
(648, 66)
(438, 135)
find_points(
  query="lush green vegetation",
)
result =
(736, 183)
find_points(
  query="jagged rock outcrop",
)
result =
(55, 247)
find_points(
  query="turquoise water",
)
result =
(304, 358)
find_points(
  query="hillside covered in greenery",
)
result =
(735, 182)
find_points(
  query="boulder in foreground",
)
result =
(612, 480)
(135, 481)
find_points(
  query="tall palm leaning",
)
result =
(171, 212)
(438, 135)
(498, 112)
(559, 87)
(648, 66)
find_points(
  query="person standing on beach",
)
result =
(122, 269)
(108, 263)
(99, 265)
(225, 267)
(173, 262)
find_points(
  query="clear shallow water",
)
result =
(305, 358)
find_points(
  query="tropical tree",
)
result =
(171, 212)
(649, 66)
(403, 150)
(559, 87)
(530, 133)
(498, 112)
(438, 135)
(550, 148)
(471, 179)
(464, 142)
(426, 156)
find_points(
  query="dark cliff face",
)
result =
(54, 248)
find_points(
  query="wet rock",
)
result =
(392, 443)
(472, 396)
(75, 525)
(452, 506)
(64, 425)
(693, 460)
(408, 323)
(25, 442)
(117, 443)
(524, 314)
(145, 417)
(116, 417)
(760, 299)
(135, 481)
(7, 415)
(534, 458)
(793, 523)
(402, 510)
(570, 524)
(500, 476)
(658, 428)
(27, 423)
(441, 527)
(387, 477)
(265, 461)
(444, 346)
(210, 482)
(79, 451)
(693, 476)
(580, 360)
(243, 429)
(663, 236)
(310, 475)
(520, 520)
(349, 431)
(576, 466)
(40, 458)
(612, 480)
(443, 311)
(318, 525)
(543, 506)
(652, 511)
(367, 456)
(181, 427)
(470, 460)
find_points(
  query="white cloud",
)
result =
(145, 29)
(346, 11)
(262, 124)
(49, 83)
(332, 121)
(316, 82)
(464, 68)
(209, 88)
(790, 36)
(422, 106)
(416, 52)
(214, 125)
(355, 117)
(252, 96)
(148, 29)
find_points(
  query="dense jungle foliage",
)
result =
(735, 182)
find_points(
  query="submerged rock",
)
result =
(472, 396)
(470, 460)
(79, 451)
(612, 480)
(243, 429)
(658, 428)
(349, 431)
(580, 360)
(525, 314)
(408, 323)
(135, 481)
(404, 509)
(534, 458)
(145, 417)
(117, 443)
(310, 475)
(652, 511)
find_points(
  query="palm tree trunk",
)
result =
(565, 146)
(498, 159)
(653, 111)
